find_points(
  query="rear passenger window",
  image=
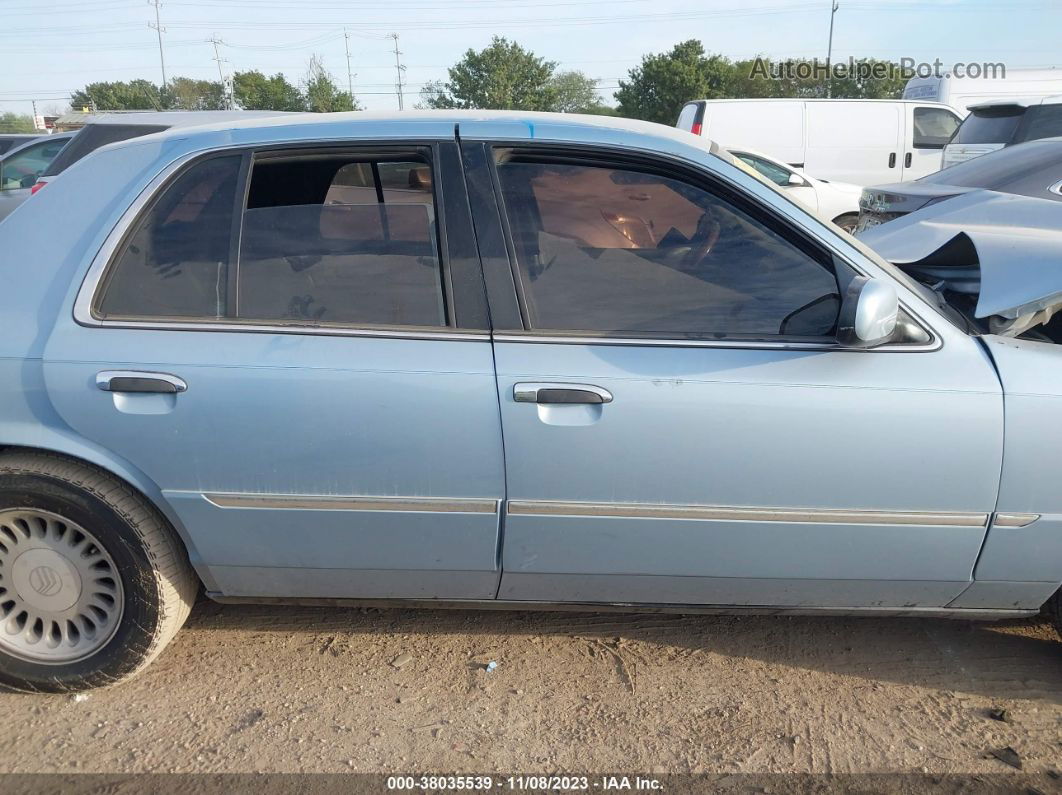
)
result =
(176, 263)
(324, 238)
(329, 239)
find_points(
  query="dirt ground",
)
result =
(282, 689)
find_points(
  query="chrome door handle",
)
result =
(549, 393)
(136, 381)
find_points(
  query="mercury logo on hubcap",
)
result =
(45, 581)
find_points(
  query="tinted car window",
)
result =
(21, 168)
(610, 250)
(933, 127)
(1044, 121)
(989, 126)
(92, 136)
(776, 174)
(176, 262)
(334, 239)
(996, 170)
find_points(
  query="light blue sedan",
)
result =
(479, 359)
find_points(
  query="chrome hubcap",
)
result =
(60, 593)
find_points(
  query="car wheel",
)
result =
(847, 222)
(1053, 610)
(93, 581)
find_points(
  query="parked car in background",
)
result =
(837, 201)
(862, 142)
(106, 129)
(1031, 169)
(21, 167)
(963, 92)
(9, 141)
(994, 125)
(329, 357)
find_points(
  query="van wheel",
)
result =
(93, 581)
(847, 222)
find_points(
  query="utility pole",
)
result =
(834, 5)
(221, 75)
(350, 76)
(399, 69)
(157, 25)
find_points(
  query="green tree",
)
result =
(321, 92)
(118, 95)
(254, 91)
(186, 93)
(573, 92)
(503, 76)
(751, 80)
(16, 123)
(657, 89)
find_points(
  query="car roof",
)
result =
(490, 124)
(1013, 169)
(34, 141)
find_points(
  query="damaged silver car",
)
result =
(994, 258)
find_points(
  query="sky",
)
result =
(49, 48)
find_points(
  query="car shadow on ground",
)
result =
(1018, 658)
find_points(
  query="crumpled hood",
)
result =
(1007, 247)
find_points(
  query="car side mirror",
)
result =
(796, 181)
(869, 313)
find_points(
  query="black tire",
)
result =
(158, 584)
(1053, 610)
(847, 222)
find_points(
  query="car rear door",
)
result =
(680, 427)
(293, 344)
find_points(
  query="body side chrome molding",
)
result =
(1014, 519)
(742, 514)
(323, 503)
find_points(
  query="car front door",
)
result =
(680, 426)
(293, 345)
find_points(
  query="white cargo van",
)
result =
(862, 141)
(962, 92)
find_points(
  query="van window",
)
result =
(1044, 121)
(933, 127)
(989, 126)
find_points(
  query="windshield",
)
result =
(20, 169)
(93, 136)
(989, 126)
